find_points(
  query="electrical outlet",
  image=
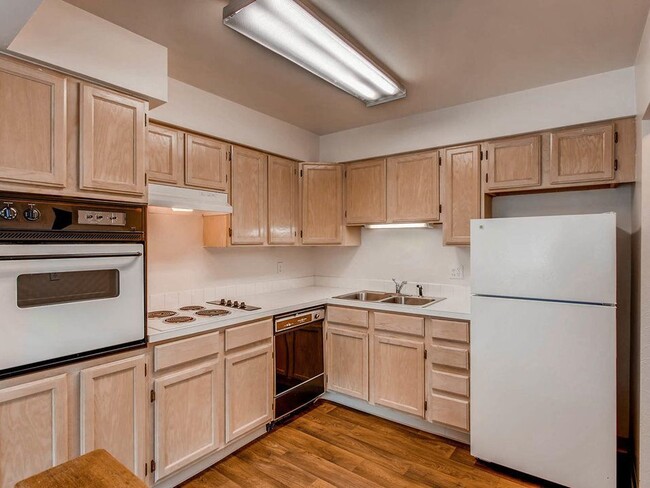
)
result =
(457, 272)
(280, 267)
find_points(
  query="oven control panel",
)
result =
(300, 318)
(93, 217)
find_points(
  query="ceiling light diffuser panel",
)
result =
(294, 30)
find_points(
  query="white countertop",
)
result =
(298, 298)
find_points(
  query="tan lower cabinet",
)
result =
(347, 360)
(398, 373)
(249, 389)
(33, 428)
(462, 183)
(248, 196)
(113, 400)
(188, 411)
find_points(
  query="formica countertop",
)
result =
(295, 299)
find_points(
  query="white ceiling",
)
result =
(446, 52)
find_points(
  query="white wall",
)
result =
(201, 111)
(598, 97)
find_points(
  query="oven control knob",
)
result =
(242, 305)
(8, 212)
(32, 213)
(316, 315)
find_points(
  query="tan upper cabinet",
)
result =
(582, 155)
(32, 126)
(282, 201)
(462, 183)
(347, 361)
(248, 196)
(206, 162)
(113, 408)
(112, 142)
(365, 192)
(413, 187)
(165, 155)
(322, 203)
(514, 163)
(33, 428)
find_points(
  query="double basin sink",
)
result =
(396, 298)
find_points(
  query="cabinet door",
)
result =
(164, 155)
(187, 416)
(365, 192)
(398, 376)
(249, 390)
(32, 126)
(113, 400)
(582, 155)
(248, 196)
(413, 188)
(206, 162)
(283, 200)
(514, 163)
(462, 175)
(322, 203)
(33, 428)
(347, 361)
(112, 142)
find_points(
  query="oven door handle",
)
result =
(36, 257)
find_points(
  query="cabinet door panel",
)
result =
(283, 201)
(462, 193)
(164, 155)
(32, 126)
(187, 416)
(112, 142)
(582, 155)
(33, 428)
(249, 390)
(248, 196)
(113, 400)
(322, 203)
(413, 187)
(398, 376)
(365, 192)
(514, 163)
(206, 162)
(347, 362)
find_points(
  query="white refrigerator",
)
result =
(543, 347)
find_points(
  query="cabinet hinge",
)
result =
(345, 174)
(301, 173)
(616, 137)
(230, 232)
(440, 208)
(486, 154)
(145, 369)
(153, 465)
(486, 177)
(439, 160)
(300, 234)
(226, 177)
(146, 120)
(426, 406)
(616, 165)
(481, 155)
(146, 469)
(346, 214)
(152, 397)
(425, 354)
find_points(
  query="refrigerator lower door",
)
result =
(543, 389)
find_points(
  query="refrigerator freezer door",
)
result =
(564, 258)
(544, 389)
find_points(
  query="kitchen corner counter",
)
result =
(294, 299)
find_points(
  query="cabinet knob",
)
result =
(8, 212)
(32, 213)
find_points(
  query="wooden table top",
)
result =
(97, 469)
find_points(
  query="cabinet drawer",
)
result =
(347, 316)
(450, 411)
(449, 382)
(248, 334)
(456, 357)
(450, 330)
(402, 324)
(179, 352)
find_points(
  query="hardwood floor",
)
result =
(334, 446)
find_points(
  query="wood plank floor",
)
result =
(334, 446)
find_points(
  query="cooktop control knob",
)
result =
(242, 305)
(235, 304)
(229, 303)
(32, 213)
(8, 212)
(223, 301)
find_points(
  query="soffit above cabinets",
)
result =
(446, 52)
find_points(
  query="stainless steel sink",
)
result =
(366, 296)
(411, 300)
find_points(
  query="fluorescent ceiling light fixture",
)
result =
(418, 225)
(295, 30)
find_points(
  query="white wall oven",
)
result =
(72, 281)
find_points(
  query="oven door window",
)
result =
(42, 289)
(298, 356)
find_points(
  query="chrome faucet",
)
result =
(399, 285)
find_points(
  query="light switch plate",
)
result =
(457, 272)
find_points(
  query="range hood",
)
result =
(163, 199)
